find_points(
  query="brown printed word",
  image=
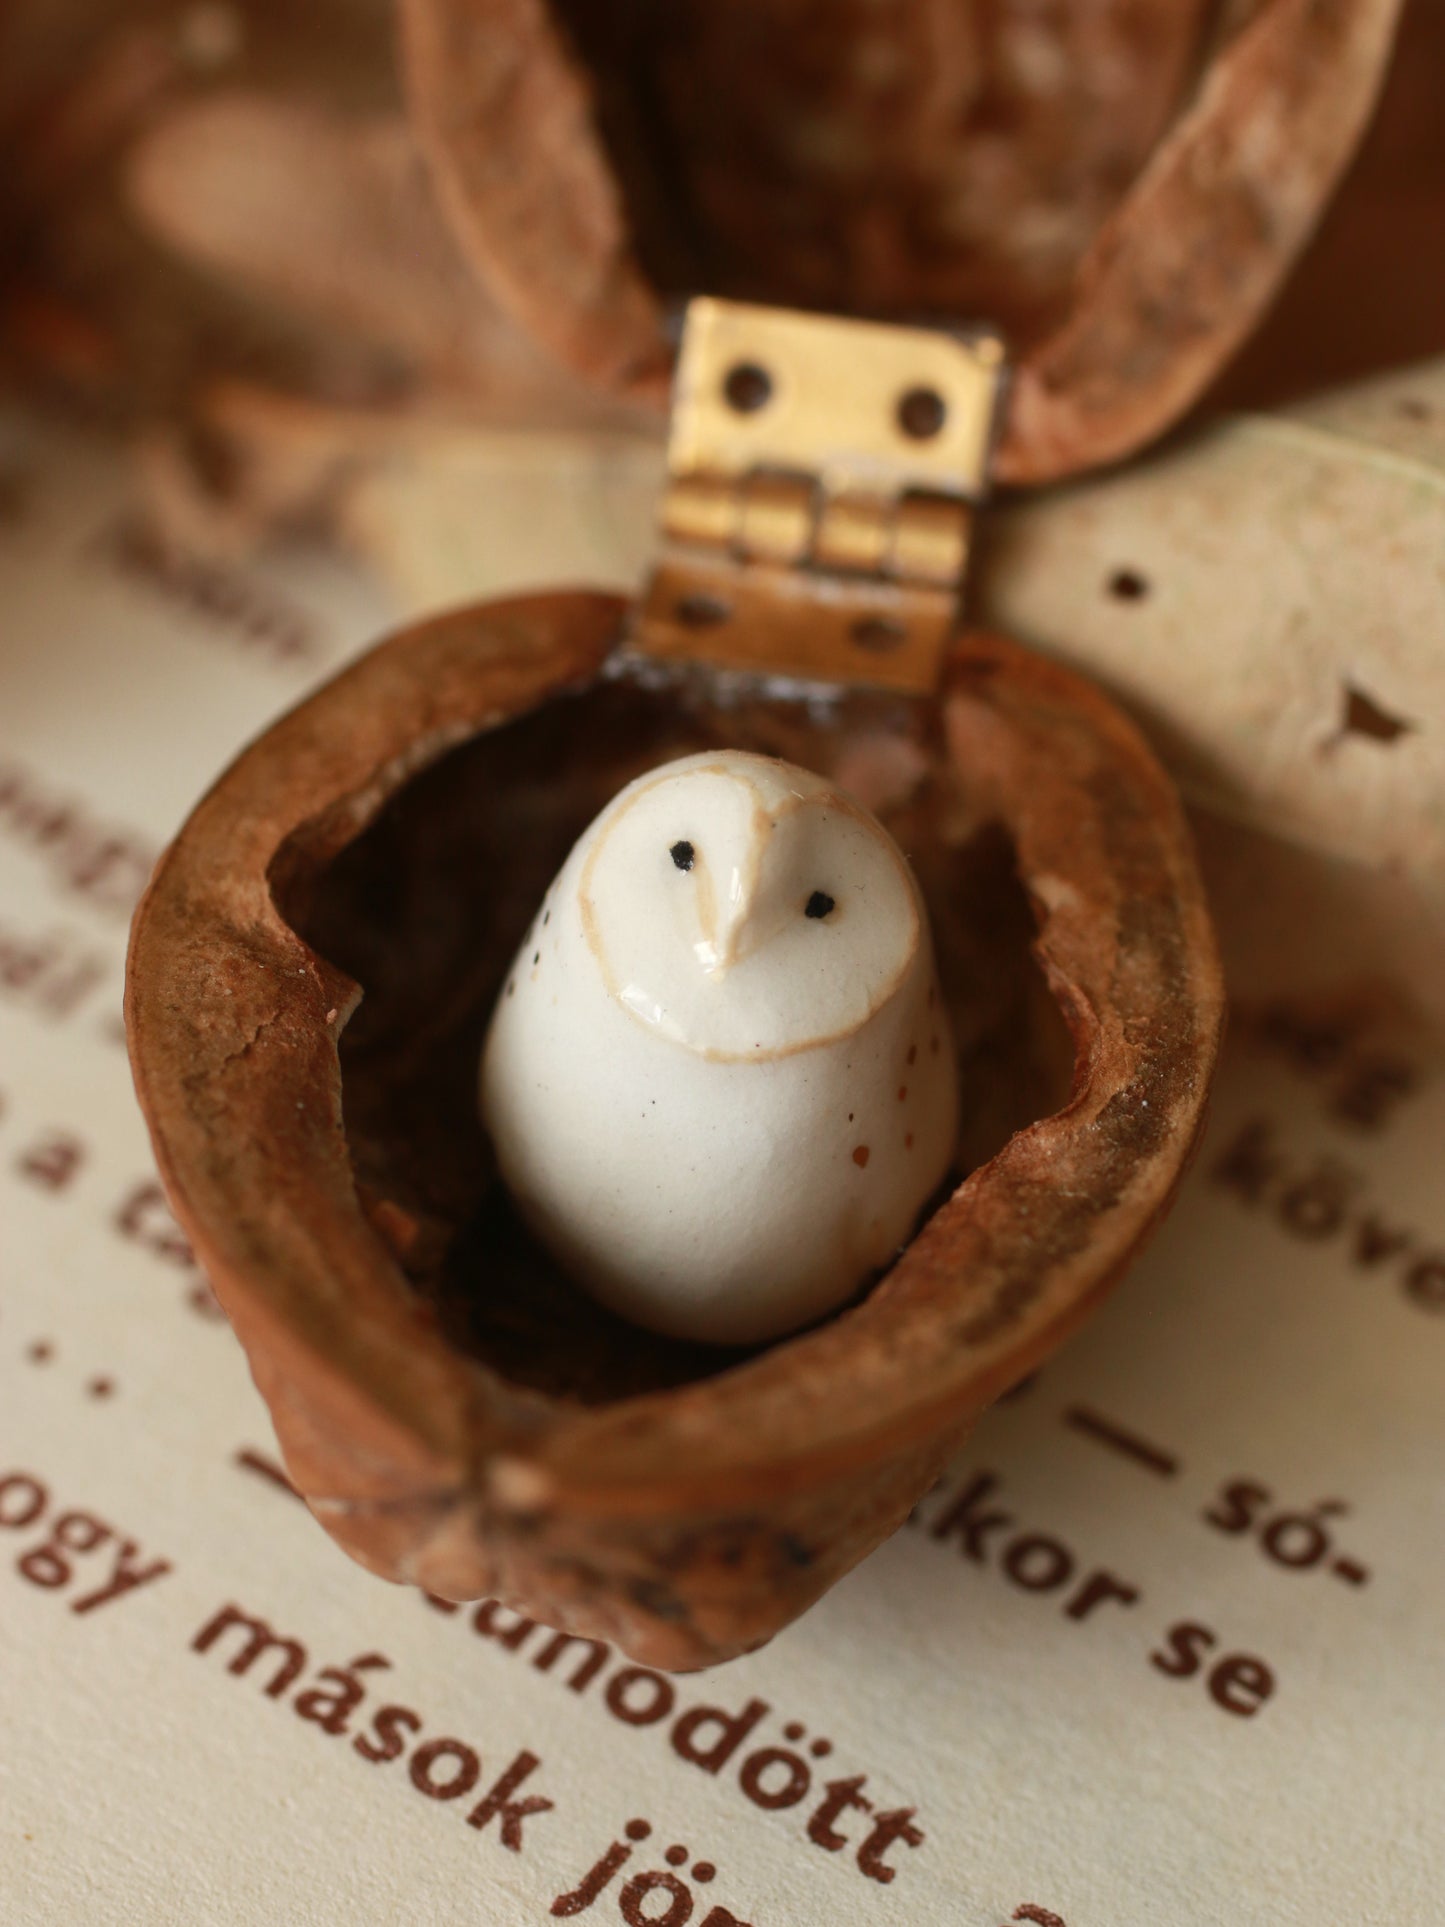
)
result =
(234, 605)
(1364, 1080)
(1324, 1201)
(144, 1218)
(55, 1157)
(638, 1900)
(50, 975)
(51, 1161)
(717, 1739)
(103, 863)
(1238, 1683)
(1298, 1539)
(1034, 1562)
(438, 1768)
(74, 1553)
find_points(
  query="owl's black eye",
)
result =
(682, 855)
(818, 905)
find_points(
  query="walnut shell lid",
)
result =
(1121, 188)
(688, 1522)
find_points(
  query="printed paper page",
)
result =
(1163, 1650)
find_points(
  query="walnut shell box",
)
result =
(312, 968)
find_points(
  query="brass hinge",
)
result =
(821, 479)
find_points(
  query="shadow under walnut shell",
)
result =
(456, 1413)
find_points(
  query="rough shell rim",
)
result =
(237, 1071)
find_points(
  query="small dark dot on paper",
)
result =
(41, 1352)
(100, 1387)
(1128, 585)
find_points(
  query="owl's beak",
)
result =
(729, 942)
(744, 911)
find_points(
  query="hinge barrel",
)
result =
(822, 476)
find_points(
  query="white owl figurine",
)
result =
(719, 1078)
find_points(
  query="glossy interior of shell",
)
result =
(425, 909)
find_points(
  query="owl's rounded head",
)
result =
(745, 908)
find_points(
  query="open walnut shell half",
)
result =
(1121, 188)
(456, 1414)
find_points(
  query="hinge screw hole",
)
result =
(877, 634)
(701, 611)
(747, 387)
(922, 413)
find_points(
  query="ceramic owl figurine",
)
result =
(719, 1079)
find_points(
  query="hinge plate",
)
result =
(821, 480)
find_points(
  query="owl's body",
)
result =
(719, 1080)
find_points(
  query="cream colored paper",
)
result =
(1165, 1651)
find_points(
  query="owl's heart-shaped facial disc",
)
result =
(719, 1079)
(744, 908)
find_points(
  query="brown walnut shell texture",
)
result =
(1119, 189)
(691, 1523)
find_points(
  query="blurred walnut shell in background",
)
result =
(498, 221)
(455, 1413)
